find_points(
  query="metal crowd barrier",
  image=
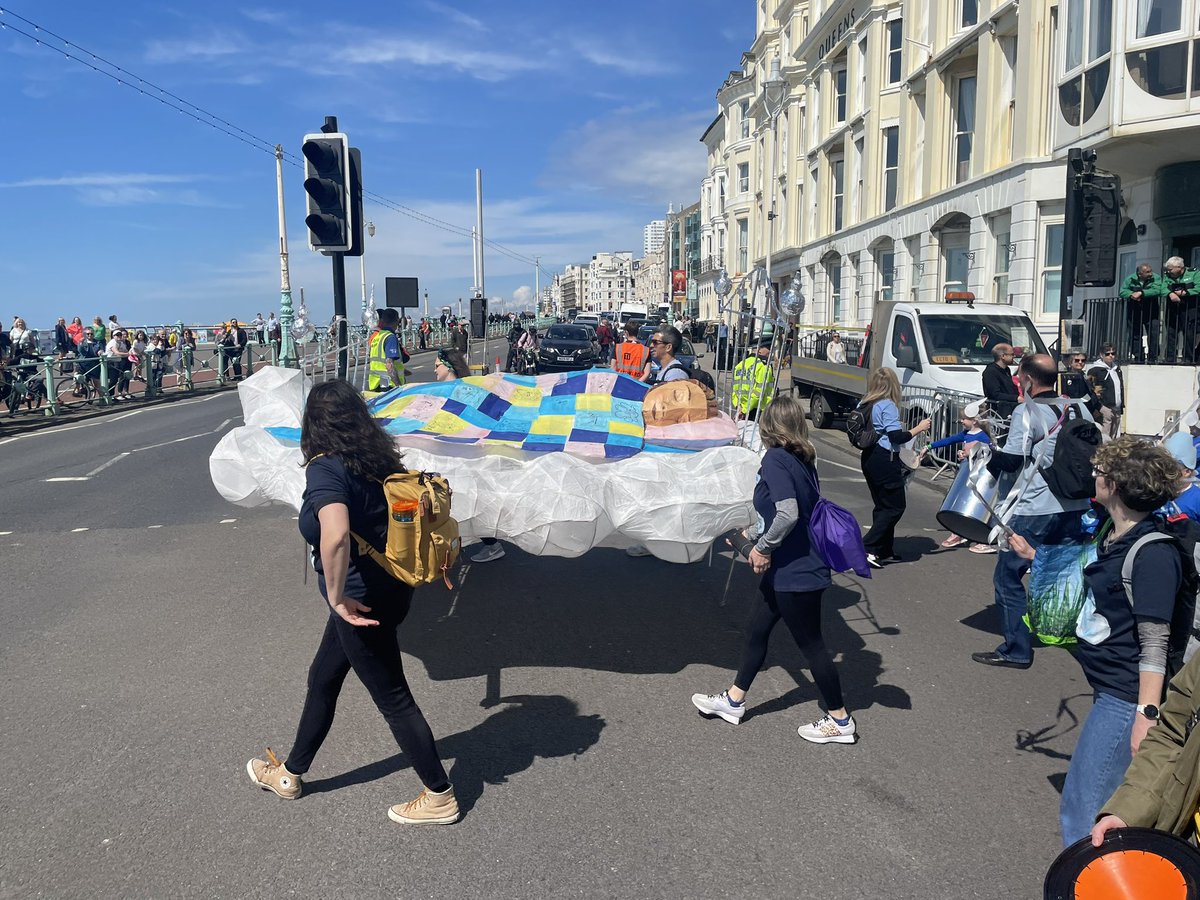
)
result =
(1157, 332)
(944, 408)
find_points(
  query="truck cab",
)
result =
(932, 346)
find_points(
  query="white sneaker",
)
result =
(719, 705)
(489, 553)
(827, 731)
(637, 550)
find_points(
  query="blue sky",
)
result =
(585, 119)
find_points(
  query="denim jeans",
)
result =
(1011, 600)
(1097, 766)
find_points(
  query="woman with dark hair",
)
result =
(346, 456)
(449, 365)
(794, 575)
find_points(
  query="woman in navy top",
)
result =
(794, 574)
(347, 455)
(881, 467)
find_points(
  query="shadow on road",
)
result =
(648, 618)
(530, 727)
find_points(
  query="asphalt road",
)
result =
(154, 637)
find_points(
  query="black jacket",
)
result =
(999, 389)
(1103, 377)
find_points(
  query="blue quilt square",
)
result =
(627, 411)
(542, 446)
(494, 407)
(508, 435)
(613, 451)
(572, 384)
(590, 437)
(628, 389)
(558, 406)
(453, 406)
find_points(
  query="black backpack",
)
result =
(859, 429)
(1185, 535)
(692, 372)
(1069, 475)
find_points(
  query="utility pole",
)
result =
(537, 281)
(287, 350)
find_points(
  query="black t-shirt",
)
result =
(1111, 666)
(329, 481)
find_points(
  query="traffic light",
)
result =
(356, 203)
(327, 182)
(1099, 230)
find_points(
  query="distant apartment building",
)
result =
(573, 288)
(610, 280)
(652, 237)
(649, 279)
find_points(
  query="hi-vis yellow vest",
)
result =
(751, 387)
(378, 377)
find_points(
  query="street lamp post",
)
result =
(774, 95)
(362, 268)
(287, 347)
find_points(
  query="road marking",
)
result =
(101, 468)
(106, 420)
(830, 462)
(226, 521)
(154, 526)
(67, 478)
(77, 530)
(5, 533)
(182, 439)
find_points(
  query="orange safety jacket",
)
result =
(630, 358)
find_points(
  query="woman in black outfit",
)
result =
(885, 474)
(347, 455)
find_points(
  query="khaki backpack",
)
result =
(422, 538)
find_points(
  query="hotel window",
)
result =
(744, 108)
(913, 246)
(1086, 54)
(839, 94)
(895, 50)
(1002, 234)
(743, 244)
(1051, 266)
(837, 169)
(968, 13)
(859, 149)
(860, 84)
(1158, 17)
(743, 171)
(964, 127)
(891, 166)
(885, 262)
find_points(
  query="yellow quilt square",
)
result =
(552, 425)
(594, 402)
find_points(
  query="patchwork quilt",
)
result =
(593, 414)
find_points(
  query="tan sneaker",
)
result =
(428, 809)
(271, 775)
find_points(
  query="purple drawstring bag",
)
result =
(836, 534)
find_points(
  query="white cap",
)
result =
(973, 410)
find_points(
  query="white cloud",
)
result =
(523, 296)
(265, 16)
(655, 160)
(457, 16)
(210, 47)
(100, 180)
(125, 189)
(435, 56)
(627, 61)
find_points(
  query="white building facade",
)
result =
(652, 237)
(610, 282)
(649, 279)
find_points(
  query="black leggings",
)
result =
(374, 653)
(801, 612)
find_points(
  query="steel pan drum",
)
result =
(963, 512)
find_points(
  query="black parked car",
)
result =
(568, 348)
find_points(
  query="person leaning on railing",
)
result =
(1142, 292)
(1181, 286)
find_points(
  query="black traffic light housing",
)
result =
(327, 182)
(479, 314)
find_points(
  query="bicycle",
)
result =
(24, 385)
(78, 387)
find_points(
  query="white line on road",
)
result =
(77, 530)
(154, 526)
(101, 468)
(108, 420)
(190, 437)
(66, 478)
(841, 465)
(5, 533)
(226, 521)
